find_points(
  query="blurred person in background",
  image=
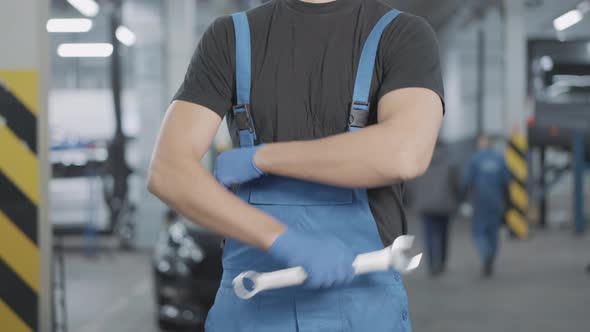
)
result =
(434, 197)
(486, 178)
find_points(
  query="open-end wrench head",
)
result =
(403, 264)
(414, 263)
(399, 260)
(403, 242)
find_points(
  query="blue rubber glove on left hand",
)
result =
(237, 166)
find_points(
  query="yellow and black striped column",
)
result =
(516, 216)
(20, 270)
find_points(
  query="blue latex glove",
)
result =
(237, 166)
(327, 261)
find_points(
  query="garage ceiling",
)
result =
(440, 12)
(540, 16)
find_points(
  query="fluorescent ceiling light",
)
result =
(125, 36)
(87, 7)
(69, 25)
(98, 50)
(568, 20)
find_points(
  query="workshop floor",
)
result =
(110, 293)
(540, 286)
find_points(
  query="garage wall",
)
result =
(459, 56)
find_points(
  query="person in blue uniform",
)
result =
(332, 105)
(487, 177)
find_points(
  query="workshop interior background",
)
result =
(84, 85)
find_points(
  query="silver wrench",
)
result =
(376, 261)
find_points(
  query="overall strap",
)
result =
(241, 111)
(359, 109)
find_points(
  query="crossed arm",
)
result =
(398, 148)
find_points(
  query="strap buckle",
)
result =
(243, 118)
(359, 114)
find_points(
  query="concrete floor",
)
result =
(110, 293)
(540, 286)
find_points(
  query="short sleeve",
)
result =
(409, 56)
(210, 75)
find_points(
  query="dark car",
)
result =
(187, 272)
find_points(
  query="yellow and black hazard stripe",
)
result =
(19, 199)
(516, 215)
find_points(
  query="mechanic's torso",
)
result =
(304, 62)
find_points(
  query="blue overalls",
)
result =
(375, 302)
(488, 177)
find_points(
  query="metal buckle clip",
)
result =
(242, 117)
(359, 114)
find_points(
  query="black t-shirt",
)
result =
(304, 61)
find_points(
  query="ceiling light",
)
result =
(87, 7)
(69, 25)
(568, 20)
(97, 50)
(125, 36)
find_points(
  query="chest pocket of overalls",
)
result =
(304, 205)
(274, 190)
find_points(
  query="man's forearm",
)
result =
(193, 192)
(396, 149)
(362, 159)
